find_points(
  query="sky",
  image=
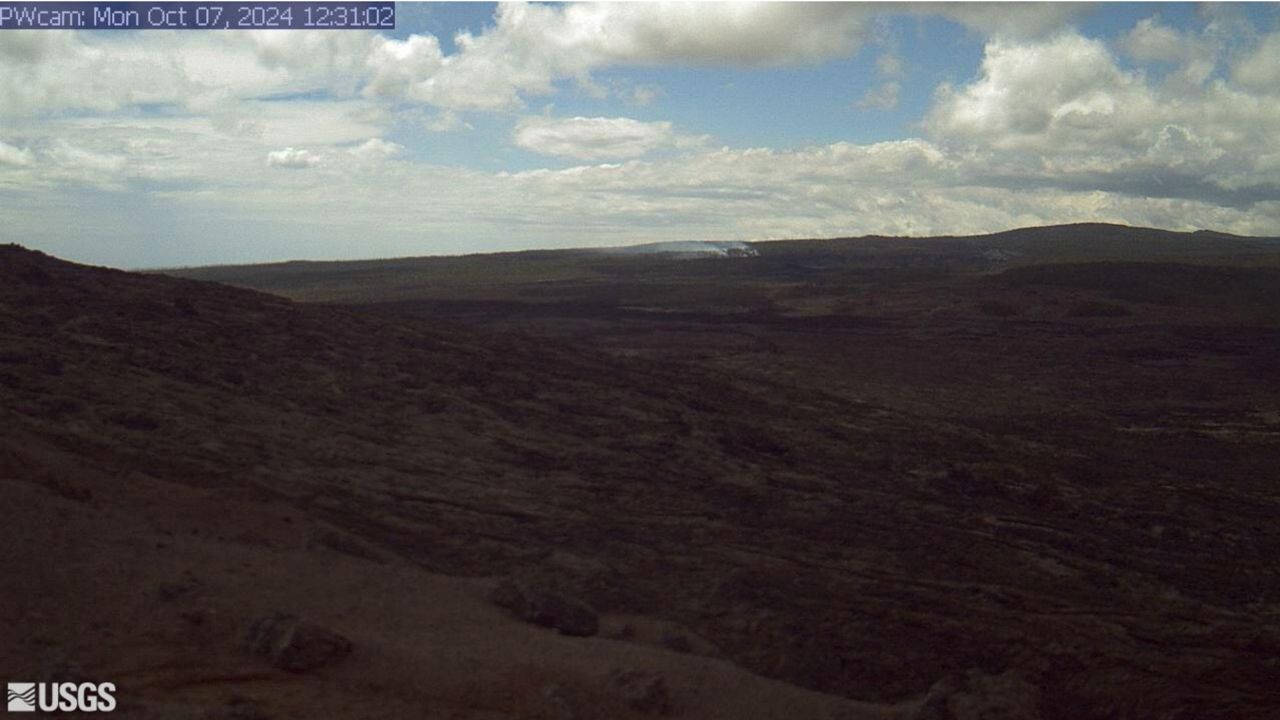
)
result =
(475, 127)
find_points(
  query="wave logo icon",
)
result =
(22, 697)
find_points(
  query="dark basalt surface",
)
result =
(863, 483)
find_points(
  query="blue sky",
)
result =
(475, 127)
(739, 106)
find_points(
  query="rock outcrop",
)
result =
(643, 691)
(295, 645)
(547, 608)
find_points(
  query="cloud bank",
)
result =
(309, 135)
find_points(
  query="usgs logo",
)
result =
(67, 697)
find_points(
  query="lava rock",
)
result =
(295, 645)
(677, 642)
(978, 696)
(546, 608)
(559, 703)
(643, 691)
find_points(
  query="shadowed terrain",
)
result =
(1026, 475)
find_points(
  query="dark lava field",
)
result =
(1011, 477)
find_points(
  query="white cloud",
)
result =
(911, 186)
(50, 71)
(292, 158)
(335, 61)
(884, 97)
(403, 68)
(108, 152)
(595, 138)
(68, 163)
(1260, 70)
(713, 33)
(1052, 128)
(527, 49)
(314, 122)
(376, 149)
(530, 47)
(11, 155)
(1062, 113)
(1069, 86)
(829, 190)
(53, 69)
(1150, 40)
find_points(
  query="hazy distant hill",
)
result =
(829, 260)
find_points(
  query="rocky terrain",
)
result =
(1019, 476)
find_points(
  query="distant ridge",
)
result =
(697, 247)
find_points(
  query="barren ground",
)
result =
(835, 480)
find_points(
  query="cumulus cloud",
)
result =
(54, 69)
(751, 193)
(1062, 113)
(403, 68)
(1027, 92)
(1053, 127)
(595, 138)
(525, 52)
(376, 149)
(529, 47)
(714, 33)
(902, 187)
(1150, 40)
(908, 187)
(912, 187)
(1260, 70)
(335, 61)
(292, 159)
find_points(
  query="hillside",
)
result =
(841, 263)
(861, 478)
